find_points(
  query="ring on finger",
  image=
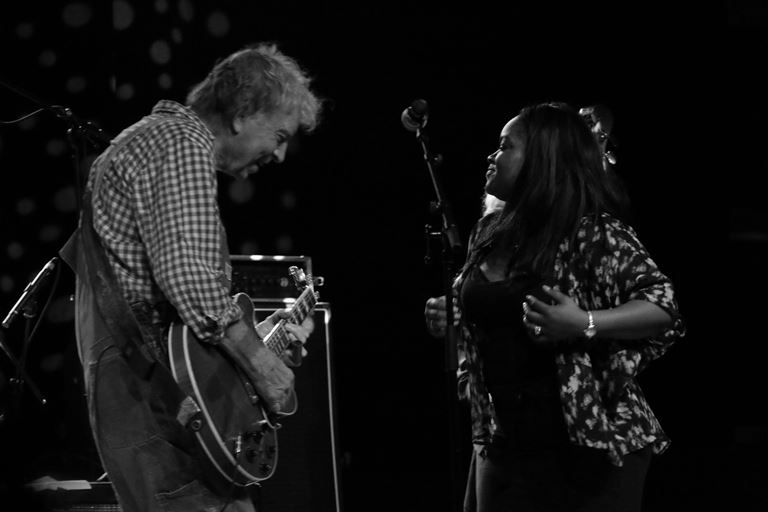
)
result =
(536, 330)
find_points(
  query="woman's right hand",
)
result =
(436, 317)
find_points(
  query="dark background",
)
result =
(355, 197)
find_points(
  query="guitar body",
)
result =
(234, 430)
(228, 414)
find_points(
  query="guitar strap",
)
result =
(102, 310)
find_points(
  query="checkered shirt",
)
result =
(156, 211)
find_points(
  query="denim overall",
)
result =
(137, 412)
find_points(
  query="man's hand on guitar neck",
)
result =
(270, 375)
(268, 371)
(298, 334)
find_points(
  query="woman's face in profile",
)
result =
(506, 161)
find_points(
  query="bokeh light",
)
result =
(218, 24)
(55, 147)
(25, 206)
(125, 91)
(25, 31)
(186, 10)
(123, 14)
(164, 81)
(47, 58)
(76, 14)
(7, 283)
(240, 191)
(161, 6)
(76, 84)
(14, 250)
(160, 52)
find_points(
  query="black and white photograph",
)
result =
(287, 256)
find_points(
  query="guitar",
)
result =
(233, 428)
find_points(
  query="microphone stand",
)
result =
(21, 374)
(79, 134)
(451, 249)
(27, 305)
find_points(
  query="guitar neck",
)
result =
(277, 339)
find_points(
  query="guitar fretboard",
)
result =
(277, 340)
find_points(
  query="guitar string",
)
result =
(303, 308)
(280, 336)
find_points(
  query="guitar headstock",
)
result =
(300, 279)
(304, 281)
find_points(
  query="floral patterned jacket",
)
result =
(603, 405)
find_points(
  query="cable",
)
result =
(23, 117)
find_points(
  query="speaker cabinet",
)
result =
(307, 476)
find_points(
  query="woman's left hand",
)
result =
(549, 323)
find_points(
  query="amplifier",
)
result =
(266, 278)
(308, 473)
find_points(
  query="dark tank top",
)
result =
(520, 376)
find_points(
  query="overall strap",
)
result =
(85, 254)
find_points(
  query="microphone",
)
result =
(30, 291)
(415, 116)
(88, 129)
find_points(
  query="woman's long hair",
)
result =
(561, 181)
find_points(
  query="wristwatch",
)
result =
(591, 330)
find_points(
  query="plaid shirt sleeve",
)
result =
(178, 220)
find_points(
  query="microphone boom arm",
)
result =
(414, 119)
(449, 226)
